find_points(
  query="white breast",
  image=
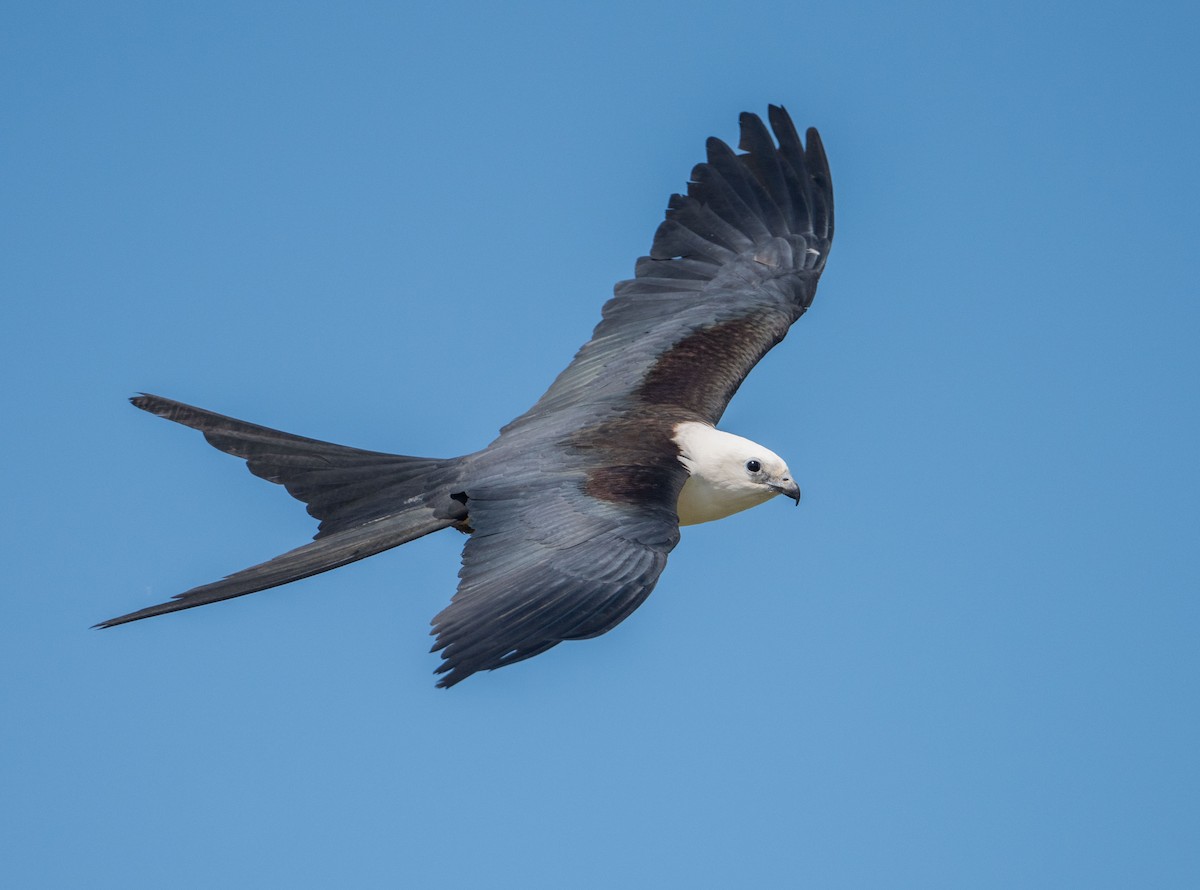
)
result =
(702, 501)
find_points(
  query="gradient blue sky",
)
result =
(969, 659)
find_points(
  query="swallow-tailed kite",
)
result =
(572, 510)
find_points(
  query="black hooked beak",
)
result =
(788, 488)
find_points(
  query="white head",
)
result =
(728, 474)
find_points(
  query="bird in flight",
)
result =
(572, 510)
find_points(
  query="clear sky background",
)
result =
(968, 659)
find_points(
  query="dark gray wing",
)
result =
(575, 532)
(734, 264)
(548, 562)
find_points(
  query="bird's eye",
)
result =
(753, 466)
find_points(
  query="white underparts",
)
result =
(719, 484)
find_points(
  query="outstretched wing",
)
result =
(546, 563)
(575, 534)
(734, 264)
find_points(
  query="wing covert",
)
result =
(546, 563)
(733, 265)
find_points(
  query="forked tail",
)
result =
(367, 501)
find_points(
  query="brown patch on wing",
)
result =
(630, 484)
(633, 459)
(700, 373)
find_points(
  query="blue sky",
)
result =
(969, 659)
